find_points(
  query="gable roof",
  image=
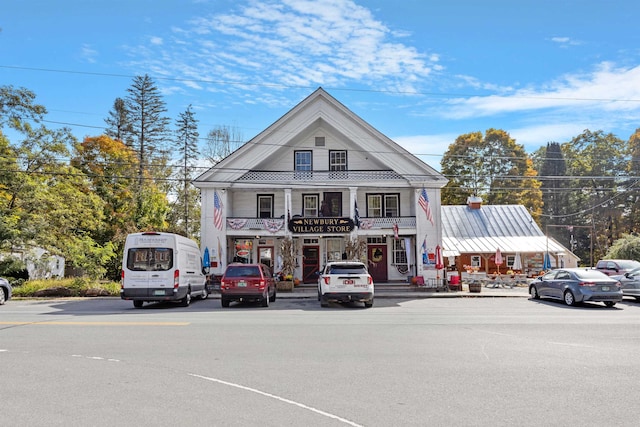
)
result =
(507, 227)
(320, 107)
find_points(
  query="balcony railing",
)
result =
(319, 176)
(279, 225)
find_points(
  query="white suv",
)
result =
(345, 281)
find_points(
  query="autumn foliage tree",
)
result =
(492, 166)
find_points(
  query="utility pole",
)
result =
(570, 228)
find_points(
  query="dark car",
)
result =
(577, 285)
(5, 290)
(630, 283)
(247, 282)
(614, 267)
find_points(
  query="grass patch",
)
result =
(73, 287)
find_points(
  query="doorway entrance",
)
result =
(310, 263)
(377, 259)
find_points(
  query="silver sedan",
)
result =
(5, 290)
(630, 282)
(577, 285)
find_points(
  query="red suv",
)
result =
(614, 267)
(247, 282)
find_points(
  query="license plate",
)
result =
(158, 292)
(242, 284)
(348, 281)
(605, 288)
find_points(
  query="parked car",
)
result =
(345, 281)
(247, 282)
(5, 290)
(612, 267)
(630, 283)
(577, 285)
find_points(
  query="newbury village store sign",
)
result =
(321, 225)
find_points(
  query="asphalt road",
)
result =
(423, 362)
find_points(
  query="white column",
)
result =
(425, 231)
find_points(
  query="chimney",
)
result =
(474, 202)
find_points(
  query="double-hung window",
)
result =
(303, 164)
(383, 205)
(265, 205)
(310, 205)
(337, 160)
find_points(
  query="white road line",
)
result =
(281, 399)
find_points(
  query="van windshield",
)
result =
(150, 259)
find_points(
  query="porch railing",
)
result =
(279, 225)
(319, 176)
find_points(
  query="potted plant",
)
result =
(356, 249)
(288, 265)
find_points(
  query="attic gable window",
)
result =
(337, 160)
(303, 164)
(303, 161)
(319, 141)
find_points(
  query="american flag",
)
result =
(217, 211)
(356, 216)
(424, 203)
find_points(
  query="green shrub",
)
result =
(75, 287)
(13, 269)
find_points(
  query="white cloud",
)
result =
(565, 42)
(606, 87)
(295, 42)
(88, 53)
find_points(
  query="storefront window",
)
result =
(334, 248)
(399, 252)
(243, 251)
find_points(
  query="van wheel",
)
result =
(138, 304)
(224, 302)
(205, 293)
(186, 300)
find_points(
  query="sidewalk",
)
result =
(385, 290)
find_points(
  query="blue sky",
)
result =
(420, 71)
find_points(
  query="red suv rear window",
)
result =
(243, 271)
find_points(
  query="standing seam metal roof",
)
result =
(508, 227)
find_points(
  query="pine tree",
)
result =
(187, 145)
(120, 127)
(150, 127)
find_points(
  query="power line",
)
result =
(290, 86)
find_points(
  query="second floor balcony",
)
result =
(349, 176)
(279, 226)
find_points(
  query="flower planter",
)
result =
(475, 287)
(284, 286)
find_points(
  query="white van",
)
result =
(161, 267)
